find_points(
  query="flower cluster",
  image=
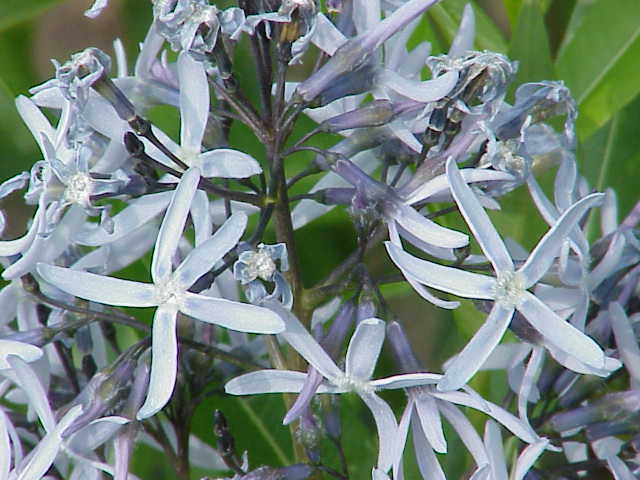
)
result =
(126, 216)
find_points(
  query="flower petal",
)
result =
(478, 220)
(426, 230)
(509, 421)
(406, 380)
(548, 247)
(27, 352)
(47, 449)
(202, 258)
(164, 361)
(426, 459)
(562, 334)
(194, 101)
(266, 381)
(427, 91)
(463, 41)
(99, 288)
(469, 361)
(495, 451)
(28, 381)
(228, 163)
(139, 212)
(430, 421)
(625, 340)
(234, 315)
(364, 348)
(387, 428)
(301, 340)
(528, 457)
(173, 224)
(448, 279)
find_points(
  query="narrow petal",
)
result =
(528, 457)
(547, 249)
(619, 469)
(364, 348)
(30, 384)
(625, 340)
(266, 381)
(301, 340)
(19, 245)
(463, 41)
(509, 421)
(439, 185)
(173, 224)
(528, 382)
(401, 439)
(326, 36)
(201, 217)
(5, 446)
(99, 288)
(34, 119)
(448, 279)
(387, 427)
(466, 432)
(307, 392)
(429, 415)
(426, 230)
(428, 91)
(234, 315)
(139, 212)
(426, 459)
(406, 380)
(495, 451)
(564, 335)
(228, 163)
(47, 449)
(478, 220)
(194, 101)
(164, 361)
(27, 352)
(202, 258)
(469, 361)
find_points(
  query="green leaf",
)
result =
(610, 158)
(530, 45)
(13, 12)
(446, 18)
(599, 61)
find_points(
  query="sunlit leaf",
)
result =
(599, 60)
(530, 45)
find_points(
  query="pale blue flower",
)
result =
(362, 354)
(169, 292)
(509, 290)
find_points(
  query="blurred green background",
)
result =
(592, 45)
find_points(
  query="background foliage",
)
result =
(592, 45)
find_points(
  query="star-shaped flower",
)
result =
(362, 355)
(170, 290)
(509, 289)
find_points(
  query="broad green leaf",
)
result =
(512, 8)
(13, 12)
(604, 48)
(530, 45)
(446, 18)
(610, 158)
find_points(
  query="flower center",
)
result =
(510, 288)
(169, 291)
(354, 384)
(260, 265)
(78, 189)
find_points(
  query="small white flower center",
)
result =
(354, 384)
(79, 189)
(510, 288)
(261, 265)
(189, 156)
(169, 291)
